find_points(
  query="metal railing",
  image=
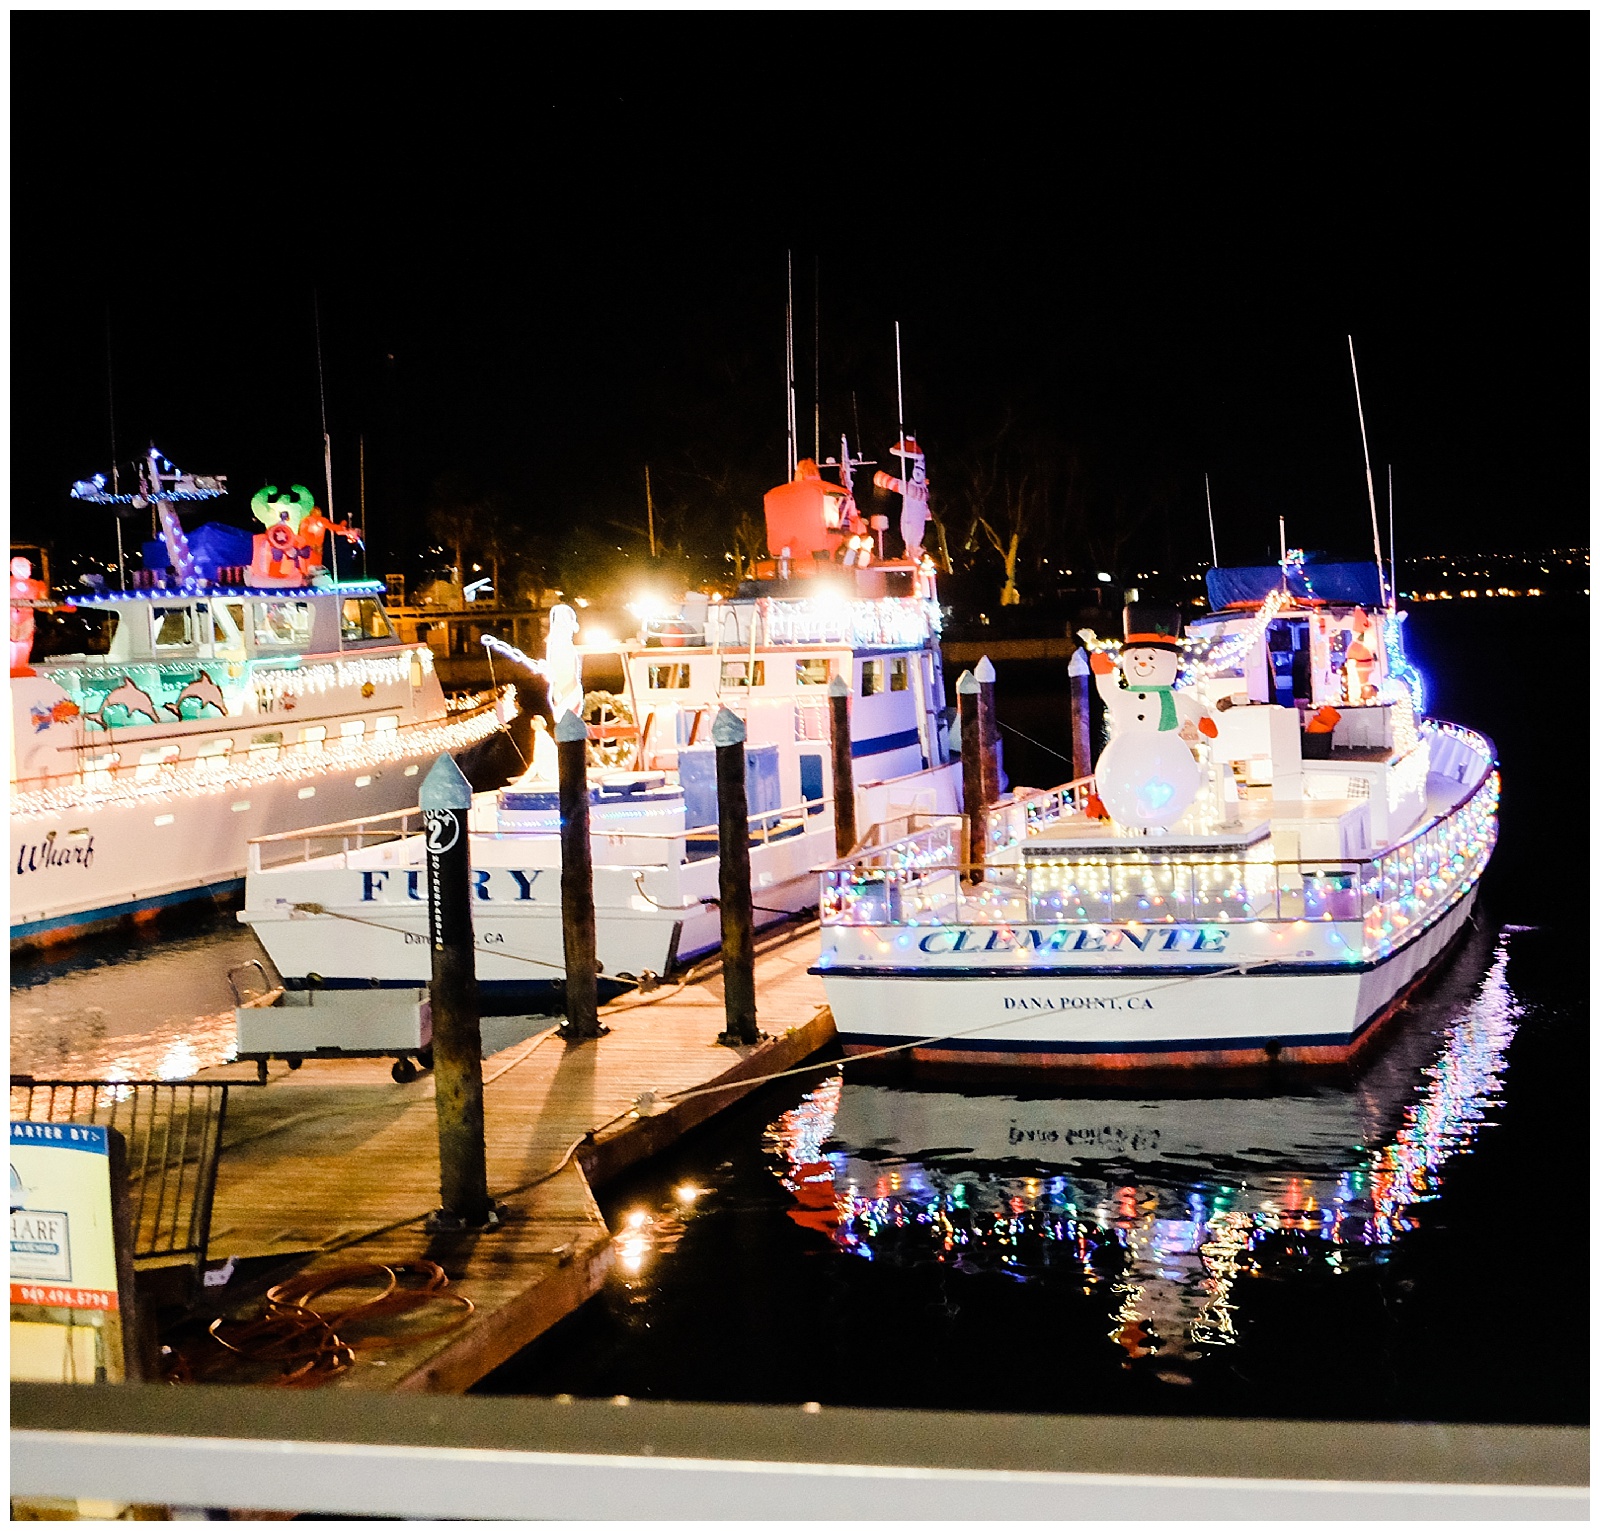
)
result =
(174, 1137)
(333, 843)
(347, 834)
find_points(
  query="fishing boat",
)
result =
(344, 904)
(1276, 847)
(236, 687)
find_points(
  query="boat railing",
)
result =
(329, 841)
(331, 845)
(923, 879)
(762, 827)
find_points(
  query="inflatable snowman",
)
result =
(1147, 775)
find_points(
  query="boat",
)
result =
(343, 905)
(234, 688)
(1272, 853)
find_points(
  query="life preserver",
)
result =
(613, 734)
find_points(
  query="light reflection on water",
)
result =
(134, 1006)
(1165, 1204)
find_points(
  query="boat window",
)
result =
(736, 672)
(86, 631)
(173, 626)
(386, 725)
(97, 768)
(151, 761)
(871, 677)
(362, 619)
(282, 624)
(669, 677)
(897, 675)
(811, 672)
(311, 739)
(353, 729)
(227, 624)
(266, 746)
(213, 755)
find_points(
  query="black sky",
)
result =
(550, 249)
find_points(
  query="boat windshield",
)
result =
(86, 631)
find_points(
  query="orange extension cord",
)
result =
(299, 1344)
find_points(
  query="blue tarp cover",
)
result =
(214, 545)
(1355, 584)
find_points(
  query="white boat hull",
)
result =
(369, 923)
(80, 869)
(1166, 1016)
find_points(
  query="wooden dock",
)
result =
(338, 1162)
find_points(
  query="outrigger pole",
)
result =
(1393, 577)
(1372, 499)
(327, 444)
(1211, 522)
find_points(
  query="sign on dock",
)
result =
(65, 1303)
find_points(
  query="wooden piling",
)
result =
(577, 881)
(972, 772)
(733, 883)
(445, 800)
(844, 771)
(988, 731)
(1078, 691)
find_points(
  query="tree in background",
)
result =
(1003, 485)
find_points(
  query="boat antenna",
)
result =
(361, 460)
(111, 410)
(1372, 499)
(816, 357)
(1283, 552)
(1211, 522)
(899, 385)
(327, 445)
(649, 510)
(788, 330)
(1393, 577)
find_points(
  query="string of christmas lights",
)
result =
(337, 757)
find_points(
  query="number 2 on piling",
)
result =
(444, 829)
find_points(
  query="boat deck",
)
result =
(335, 1164)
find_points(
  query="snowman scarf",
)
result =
(1169, 708)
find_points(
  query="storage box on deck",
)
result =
(1266, 739)
(1367, 727)
(332, 1021)
(697, 775)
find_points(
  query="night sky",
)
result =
(548, 250)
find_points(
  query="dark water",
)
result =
(1409, 1243)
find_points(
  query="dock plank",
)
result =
(338, 1163)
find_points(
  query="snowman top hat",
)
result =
(1151, 627)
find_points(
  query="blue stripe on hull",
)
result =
(884, 743)
(109, 914)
